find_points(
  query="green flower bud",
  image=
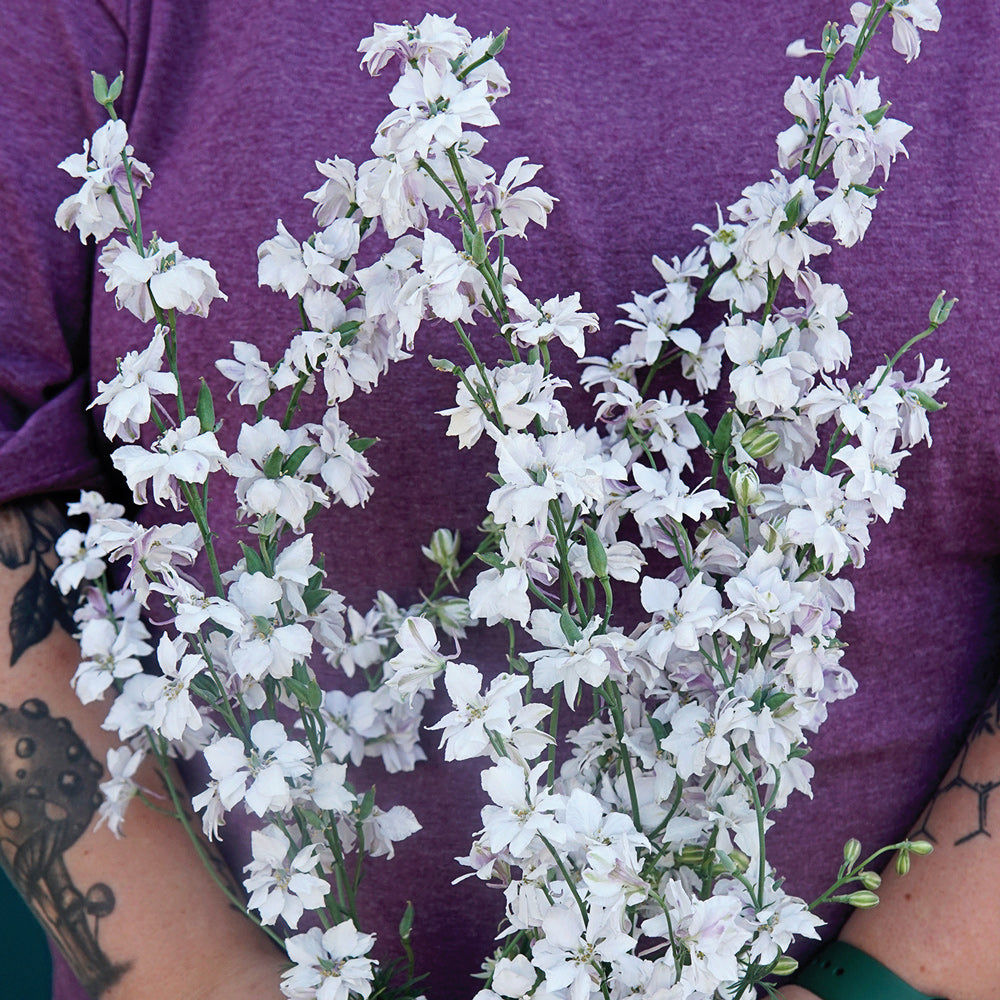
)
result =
(919, 847)
(443, 550)
(496, 46)
(100, 87)
(862, 899)
(902, 862)
(746, 486)
(831, 39)
(740, 860)
(478, 251)
(596, 555)
(852, 851)
(758, 441)
(870, 880)
(692, 856)
(785, 966)
(205, 408)
(941, 309)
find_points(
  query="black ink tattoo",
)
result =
(28, 533)
(48, 796)
(987, 726)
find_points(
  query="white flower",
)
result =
(273, 759)
(81, 558)
(586, 657)
(120, 788)
(522, 810)
(252, 376)
(128, 396)
(280, 886)
(287, 495)
(335, 195)
(181, 454)
(92, 209)
(434, 108)
(345, 470)
(478, 717)
(556, 318)
(771, 241)
(570, 953)
(382, 829)
(262, 644)
(162, 274)
(517, 208)
(680, 619)
(329, 965)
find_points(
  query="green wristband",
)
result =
(843, 972)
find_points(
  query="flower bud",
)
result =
(746, 486)
(831, 39)
(443, 550)
(920, 847)
(692, 856)
(758, 441)
(852, 851)
(741, 861)
(862, 899)
(902, 862)
(941, 309)
(100, 87)
(870, 880)
(496, 46)
(785, 966)
(596, 555)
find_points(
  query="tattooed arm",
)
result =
(137, 916)
(939, 927)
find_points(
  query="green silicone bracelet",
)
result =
(842, 972)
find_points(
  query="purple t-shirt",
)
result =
(644, 117)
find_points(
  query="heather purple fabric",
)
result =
(644, 119)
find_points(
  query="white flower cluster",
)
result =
(654, 826)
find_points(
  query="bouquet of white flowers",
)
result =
(632, 859)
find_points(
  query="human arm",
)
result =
(938, 928)
(137, 916)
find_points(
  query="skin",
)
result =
(136, 916)
(937, 927)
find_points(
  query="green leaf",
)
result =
(253, 560)
(272, 467)
(367, 804)
(874, 117)
(297, 457)
(478, 250)
(792, 211)
(723, 433)
(362, 444)
(929, 403)
(205, 687)
(569, 627)
(406, 924)
(491, 559)
(703, 430)
(659, 729)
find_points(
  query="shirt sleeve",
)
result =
(47, 50)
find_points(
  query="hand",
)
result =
(796, 993)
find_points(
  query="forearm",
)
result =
(939, 927)
(136, 916)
